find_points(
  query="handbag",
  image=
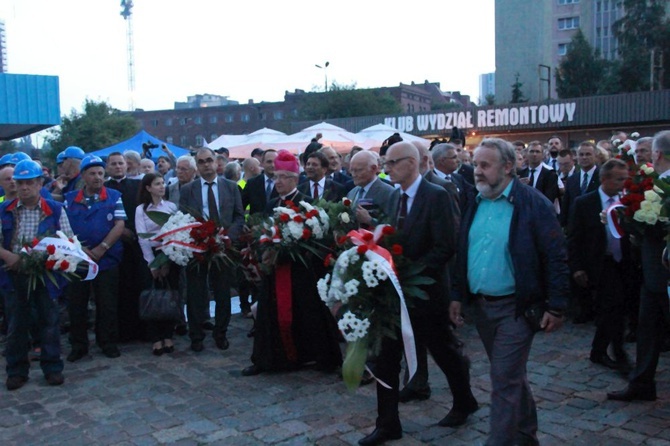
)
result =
(159, 304)
(534, 314)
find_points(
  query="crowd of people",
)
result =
(511, 234)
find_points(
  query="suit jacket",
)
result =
(253, 194)
(547, 181)
(231, 213)
(381, 195)
(129, 194)
(467, 172)
(428, 236)
(451, 188)
(332, 190)
(587, 238)
(573, 190)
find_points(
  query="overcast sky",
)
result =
(246, 49)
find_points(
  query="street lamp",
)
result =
(325, 72)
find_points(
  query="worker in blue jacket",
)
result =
(98, 219)
(26, 217)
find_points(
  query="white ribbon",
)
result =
(68, 248)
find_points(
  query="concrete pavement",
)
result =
(189, 398)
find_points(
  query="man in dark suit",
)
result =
(602, 262)
(260, 189)
(587, 181)
(319, 186)
(511, 257)
(427, 235)
(371, 198)
(335, 171)
(654, 295)
(131, 328)
(580, 183)
(445, 159)
(537, 175)
(213, 198)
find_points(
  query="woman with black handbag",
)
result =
(166, 277)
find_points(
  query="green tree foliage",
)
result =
(99, 126)
(517, 94)
(489, 99)
(345, 101)
(643, 27)
(581, 71)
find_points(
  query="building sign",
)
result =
(487, 118)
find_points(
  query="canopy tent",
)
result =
(378, 133)
(336, 137)
(262, 139)
(135, 144)
(226, 141)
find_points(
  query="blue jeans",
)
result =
(19, 306)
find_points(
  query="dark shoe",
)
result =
(16, 382)
(181, 330)
(379, 436)
(457, 417)
(408, 394)
(111, 351)
(367, 378)
(604, 360)
(76, 355)
(158, 351)
(632, 393)
(222, 343)
(252, 370)
(55, 379)
(168, 349)
(197, 346)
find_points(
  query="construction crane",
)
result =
(126, 13)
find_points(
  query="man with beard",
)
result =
(511, 258)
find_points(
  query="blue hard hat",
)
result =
(27, 170)
(91, 161)
(73, 152)
(4, 160)
(60, 157)
(17, 157)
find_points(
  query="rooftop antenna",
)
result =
(126, 13)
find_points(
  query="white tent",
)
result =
(331, 135)
(378, 133)
(262, 138)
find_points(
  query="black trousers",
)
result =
(431, 328)
(611, 296)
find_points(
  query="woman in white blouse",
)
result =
(152, 190)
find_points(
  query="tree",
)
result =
(517, 94)
(345, 101)
(99, 126)
(581, 71)
(490, 99)
(643, 28)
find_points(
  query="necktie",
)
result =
(268, 189)
(316, 191)
(553, 163)
(403, 210)
(211, 204)
(531, 181)
(585, 182)
(613, 244)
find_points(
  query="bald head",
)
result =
(402, 163)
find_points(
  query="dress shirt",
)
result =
(488, 246)
(590, 173)
(204, 190)
(441, 174)
(613, 244)
(321, 184)
(411, 192)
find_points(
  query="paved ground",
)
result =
(189, 399)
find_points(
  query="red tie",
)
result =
(316, 191)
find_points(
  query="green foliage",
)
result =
(345, 101)
(490, 99)
(99, 126)
(581, 71)
(644, 27)
(517, 94)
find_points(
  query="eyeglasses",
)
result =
(392, 163)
